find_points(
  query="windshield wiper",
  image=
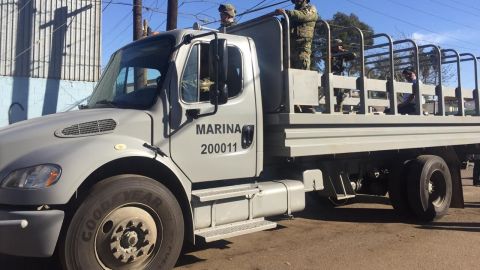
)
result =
(107, 102)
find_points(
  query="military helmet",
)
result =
(293, 1)
(228, 9)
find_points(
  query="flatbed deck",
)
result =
(302, 134)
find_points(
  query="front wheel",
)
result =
(126, 222)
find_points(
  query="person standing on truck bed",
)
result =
(407, 106)
(340, 56)
(302, 21)
(302, 28)
(227, 16)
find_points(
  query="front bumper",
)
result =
(30, 233)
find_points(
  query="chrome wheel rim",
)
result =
(128, 238)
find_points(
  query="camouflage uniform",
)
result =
(302, 21)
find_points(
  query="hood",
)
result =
(60, 130)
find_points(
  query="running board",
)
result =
(214, 194)
(234, 229)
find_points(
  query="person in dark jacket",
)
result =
(340, 56)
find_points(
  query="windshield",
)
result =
(133, 77)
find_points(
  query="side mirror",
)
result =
(218, 69)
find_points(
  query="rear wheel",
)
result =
(429, 187)
(126, 222)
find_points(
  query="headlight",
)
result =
(41, 176)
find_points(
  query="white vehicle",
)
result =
(192, 136)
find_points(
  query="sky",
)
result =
(451, 24)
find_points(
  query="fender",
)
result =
(79, 158)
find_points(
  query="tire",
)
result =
(429, 187)
(126, 222)
(397, 189)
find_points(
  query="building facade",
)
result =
(49, 55)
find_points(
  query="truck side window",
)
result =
(190, 77)
(234, 75)
(196, 83)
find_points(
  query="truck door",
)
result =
(223, 145)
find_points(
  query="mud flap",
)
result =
(457, 189)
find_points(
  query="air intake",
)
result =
(88, 129)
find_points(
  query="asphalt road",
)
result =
(365, 235)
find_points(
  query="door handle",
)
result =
(247, 135)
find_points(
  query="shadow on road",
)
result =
(452, 226)
(20, 263)
(186, 258)
(472, 205)
(322, 210)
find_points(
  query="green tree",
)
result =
(341, 28)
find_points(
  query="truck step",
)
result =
(207, 195)
(234, 229)
(344, 197)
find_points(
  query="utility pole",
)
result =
(140, 79)
(137, 20)
(172, 14)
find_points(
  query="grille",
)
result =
(88, 128)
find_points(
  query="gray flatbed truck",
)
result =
(192, 135)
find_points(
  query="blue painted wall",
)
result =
(36, 99)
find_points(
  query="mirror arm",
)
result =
(217, 59)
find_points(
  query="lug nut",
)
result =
(140, 253)
(140, 225)
(120, 229)
(114, 250)
(114, 239)
(131, 259)
(130, 224)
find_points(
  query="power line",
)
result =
(107, 5)
(254, 10)
(456, 8)
(115, 39)
(256, 5)
(20, 10)
(432, 14)
(123, 19)
(400, 38)
(458, 2)
(409, 23)
(39, 40)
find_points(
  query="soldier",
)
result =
(302, 21)
(407, 106)
(340, 56)
(227, 15)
